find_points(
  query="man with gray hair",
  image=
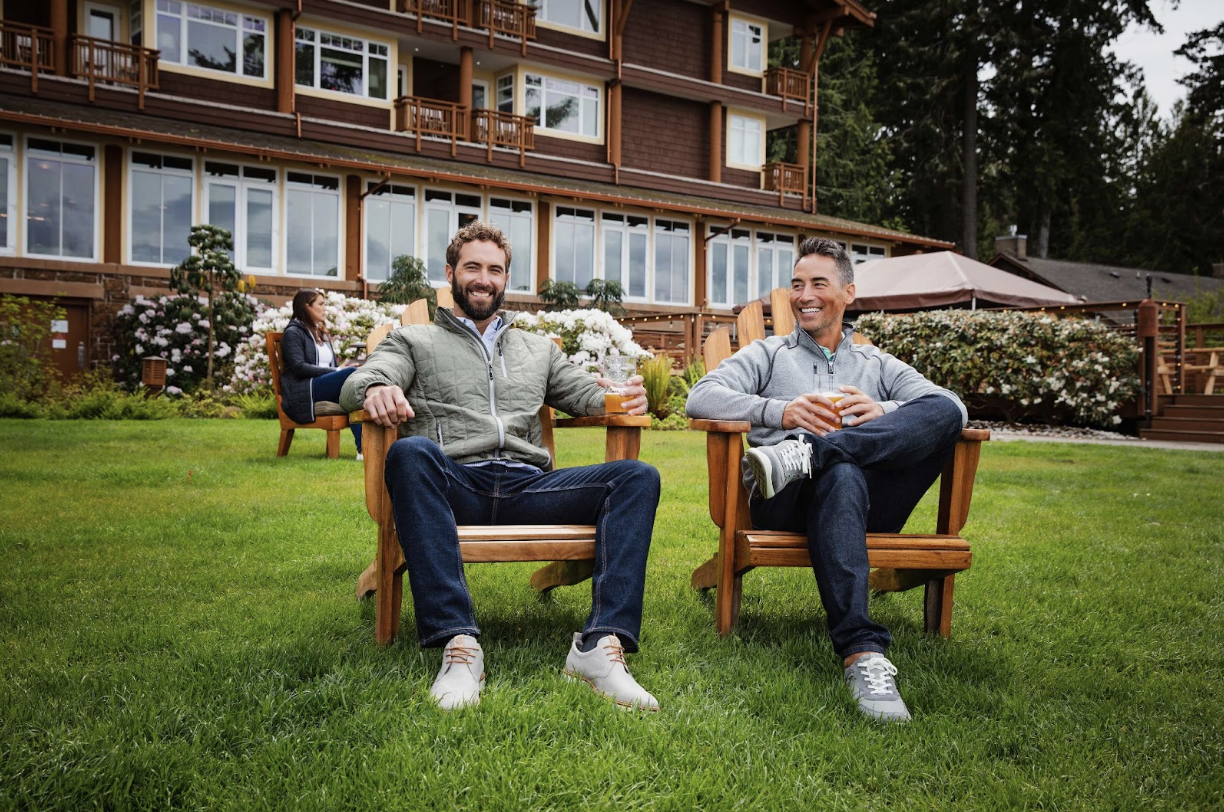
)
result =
(845, 440)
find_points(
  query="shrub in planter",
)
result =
(1019, 365)
(176, 328)
(350, 321)
(586, 335)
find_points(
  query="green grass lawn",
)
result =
(179, 629)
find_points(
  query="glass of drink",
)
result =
(617, 369)
(827, 384)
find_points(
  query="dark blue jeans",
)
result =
(430, 494)
(865, 478)
(327, 387)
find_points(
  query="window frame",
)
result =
(865, 252)
(730, 240)
(581, 31)
(240, 34)
(521, 91)
(391, 72)
(129, 209)
(779, 247)
(739, 26)
(656, 233)
(95, 164)
(522, 259)
(315, 190)
(242, 185)
(456, 213)
(371, 196)
(574, 212)
(10, 215)
(733, 161)
(618, 222)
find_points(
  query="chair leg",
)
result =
(333, 445)
(390, 588)
(561, 573)
(727, 605)
(286, 439)
(937, 606)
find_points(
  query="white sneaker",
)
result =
(776, 466)
(870, 678)
(603, 668)
(462, 674)
(360, 457)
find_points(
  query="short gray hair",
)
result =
(832, 249)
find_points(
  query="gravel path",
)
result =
(1071, 434)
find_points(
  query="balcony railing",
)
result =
(455, 12)
(789, 84)
(786, 179)
(431, 117)
(101, 60)
(27, 47)
(509, 18)
(495, 128)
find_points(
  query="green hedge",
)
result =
(1021, 366)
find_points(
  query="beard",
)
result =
(476, 311)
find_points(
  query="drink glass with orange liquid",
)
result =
(827, 385)
(617, 369)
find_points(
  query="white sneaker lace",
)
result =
(877, 673)
(795, 456)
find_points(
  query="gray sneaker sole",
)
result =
(762, 472)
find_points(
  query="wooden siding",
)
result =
(215, 90)
(378, 118)
(670, 35)
(742, 177)
(664, 134)
(565, 148)
(570, 42)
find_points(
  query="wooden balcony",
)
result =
(786, 179)
(497, 129)
(789, 84)
(455, 12)
(27, 47)
(101, 60)
(509, 18)
(431, 117)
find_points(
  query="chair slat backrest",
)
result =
(275, 362)
(717, 348)
(416, 313)
(445, 297)
(750, 324)
(377, 335)
(780, 309)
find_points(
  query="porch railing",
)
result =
(495, 128)
(27, 47)
(786, 179)
(509, 18)
(101, 60)
(789, 84)
(455, 12)
(431, 117)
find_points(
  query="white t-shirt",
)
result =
(326, 357)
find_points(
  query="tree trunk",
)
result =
(969, 180)
(1043, 231)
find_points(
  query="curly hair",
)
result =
(473, 231)
(833, 250)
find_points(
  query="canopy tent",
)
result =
(943, 278)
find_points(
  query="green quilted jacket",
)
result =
(474, 406)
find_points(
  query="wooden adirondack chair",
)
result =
(570, 548)
(329, 417)
(900, 561)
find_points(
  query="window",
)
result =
(775, 261)
(160, 196)
(745, 147)
(61, 199)
(574, 246)
(862, 253)
(626, 240)
(568, 107)
(344, 64)
(480, 94)
(516, 219)
(136, 21)
(445, 213)
(671, 261)
(505, 93)
(312, 224)
(8, 173)
(212, 38)
(580, 15)
(242, 199)
(730, 258)
(747, 46)
(390, 223)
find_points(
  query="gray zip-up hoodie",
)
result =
(757, 382)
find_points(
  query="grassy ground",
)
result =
(178, 629)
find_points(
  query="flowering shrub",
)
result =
(1022, 365)
(349, 321)
(175, 327)
(586, 335)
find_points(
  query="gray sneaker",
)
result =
(776, 466)
(871, 682)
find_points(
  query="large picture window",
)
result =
(574, 246)
(445, 213)
(730, 268)
(775, 261)
(562, 106)
(747, 46)
(160, 198)
(580, 15)
(862, 253)
(516, 219)
(312, 224)
(242, 200)
(217, 39)
(626, 243)
(672, 252)
(61, 199)
(343, 64)
(390, 212)
(8, 172)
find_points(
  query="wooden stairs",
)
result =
(1188, 419)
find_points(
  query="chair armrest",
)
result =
(608, 420)
(359, 416)
(720, 426)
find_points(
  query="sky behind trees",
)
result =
(1154, 52)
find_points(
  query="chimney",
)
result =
(1217, 270)
(1012, 243)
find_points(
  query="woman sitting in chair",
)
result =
(310, 376)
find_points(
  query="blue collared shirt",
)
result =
(490, 332)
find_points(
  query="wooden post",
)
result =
(465, 78)
(717, 43)
(716, 145)
(614, 125)
(543, 243)
(285, 90)
(699, 280)
(112, 204)
(59, 27)
(352, 227)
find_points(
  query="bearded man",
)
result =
(466, 393)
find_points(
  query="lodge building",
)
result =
(614, 139)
